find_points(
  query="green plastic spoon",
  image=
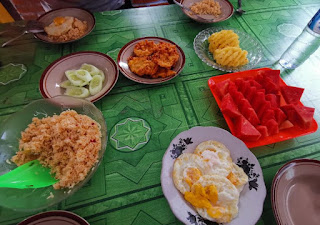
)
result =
(29, 175)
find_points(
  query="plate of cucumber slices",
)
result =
(87, 74)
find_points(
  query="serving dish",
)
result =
(253, 194)
(54, 74)
(81, 14)
(10, 133)
(54, 217)
(294, 192)
(127, 50)
(247, 42)
(283, 135)
(226, 11)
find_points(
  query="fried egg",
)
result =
(238, 177)
(187, 169)
(216, 156)
(59, 26)
(215, 198)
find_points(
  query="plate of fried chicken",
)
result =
(151, 60)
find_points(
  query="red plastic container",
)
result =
(283, 135)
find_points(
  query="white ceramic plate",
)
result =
(54, 74)
(81, 14)
(295, 192)
(253, 194)
(226, 11)
(127, 51)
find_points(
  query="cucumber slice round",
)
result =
(90, 68)
(66, 84)
(95, 85)
(101, 73)
(79, 92)
(84, 75)
(74, 79)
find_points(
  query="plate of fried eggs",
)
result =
(227, 49)
(208, 175)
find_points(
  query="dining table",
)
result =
(142, 119)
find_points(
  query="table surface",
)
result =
(126, 188)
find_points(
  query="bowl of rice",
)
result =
(208, 11)
(66, 134)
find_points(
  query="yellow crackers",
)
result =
(224, 46)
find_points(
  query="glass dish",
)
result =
(248, 43)
(10, 133)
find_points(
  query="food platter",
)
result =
(81, 14)
(253, 194)
(247, 42)
(127, 51)
(54, 74)
(31, 200)
(226, 11)
(283, 135)
(294, 189)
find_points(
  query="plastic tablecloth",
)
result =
(126, 188)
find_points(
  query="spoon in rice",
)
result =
(28, 175)
(193, 13)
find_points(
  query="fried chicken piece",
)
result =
(166, 55)
(144, 48)
(142, 65)
(163, 72)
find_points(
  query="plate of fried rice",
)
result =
(208, 11)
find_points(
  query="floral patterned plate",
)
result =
(253, 194)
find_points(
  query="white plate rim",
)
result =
(181, 208)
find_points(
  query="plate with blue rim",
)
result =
(253, 194)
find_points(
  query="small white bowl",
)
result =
(226, 12)
(81, 14)
(54, 74)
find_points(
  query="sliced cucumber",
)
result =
(95, 85)
(101, 73)
(90, 68)
(84, 75)
(66, 84)
(74, 79)
(79, 92)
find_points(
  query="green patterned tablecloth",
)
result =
(126, 188)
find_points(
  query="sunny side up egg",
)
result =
(210, 181)
(59, 26)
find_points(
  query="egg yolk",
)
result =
(192, 175)
(204, 197)
(233, 179)
(58, 21)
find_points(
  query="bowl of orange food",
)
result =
(151, 60)
(66, 134)
(65, 25)
(207, 11)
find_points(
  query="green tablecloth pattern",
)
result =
(126, 188)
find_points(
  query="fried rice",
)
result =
(68, 144)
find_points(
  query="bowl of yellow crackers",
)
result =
(227, 49)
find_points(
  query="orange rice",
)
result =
(68, 143)
(206, 7)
